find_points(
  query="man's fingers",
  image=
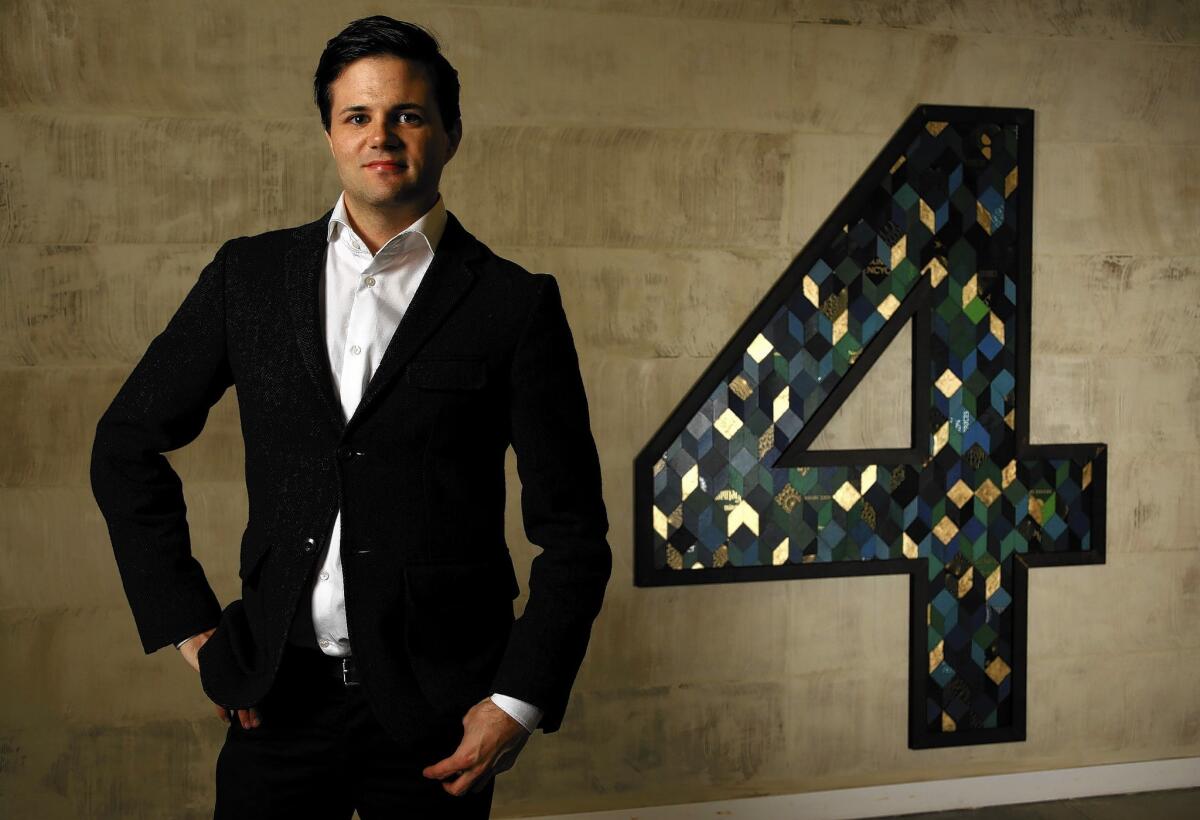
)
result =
(249, 718)
(458, 762)
(246, 718)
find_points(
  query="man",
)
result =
(373, 662)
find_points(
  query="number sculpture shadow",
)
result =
(936, 231)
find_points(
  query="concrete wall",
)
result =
(665, 158)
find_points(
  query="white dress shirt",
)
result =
(362, 299)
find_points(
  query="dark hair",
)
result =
(383, 35)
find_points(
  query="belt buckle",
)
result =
(348, 670)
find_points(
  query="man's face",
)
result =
(387, 136)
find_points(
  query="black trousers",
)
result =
(320, 753)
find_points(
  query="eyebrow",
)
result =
(398, 107)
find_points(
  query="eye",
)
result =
(409, 118)
(354, 117)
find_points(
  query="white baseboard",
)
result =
(935, 795)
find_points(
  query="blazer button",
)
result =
(345, 453)
(310, 545)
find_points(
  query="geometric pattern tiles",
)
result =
(937, 231)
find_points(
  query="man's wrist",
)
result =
(526, 714)
(185, 640)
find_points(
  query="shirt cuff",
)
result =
(523, 713)
(185, 640)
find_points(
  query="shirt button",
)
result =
(324, 643)
(324, 576)
(355, 349)
(370, 280)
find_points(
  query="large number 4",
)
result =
(937, 231)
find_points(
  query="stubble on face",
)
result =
(388, 140)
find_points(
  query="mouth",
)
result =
(385, 165)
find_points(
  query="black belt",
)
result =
(347, 671)
(342, 669)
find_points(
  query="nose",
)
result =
(384, 135)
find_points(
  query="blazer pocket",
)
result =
(255, 545)
(447, 373)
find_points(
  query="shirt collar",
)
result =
(429, 227)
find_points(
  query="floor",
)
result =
(1183, 804)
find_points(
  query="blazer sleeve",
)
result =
(563, 511)
(162, 406)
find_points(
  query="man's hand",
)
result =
(249, 718)
(491, 741)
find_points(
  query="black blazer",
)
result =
(482, 358)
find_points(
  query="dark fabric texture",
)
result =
(482, 359)
(319, 752)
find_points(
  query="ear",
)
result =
(329, 139)
(455, 134)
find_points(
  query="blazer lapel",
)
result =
(303, 265)
(445, 283)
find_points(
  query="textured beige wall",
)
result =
(665, 158)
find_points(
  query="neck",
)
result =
(375, 225)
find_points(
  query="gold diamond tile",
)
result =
(927, 216)
(966, 582)
(741, 388)
(846, 496)
(997, 670)
(811, 292)
(836, 304)
(899, 251)
(996, 327)
(1010, 182)
(780, 405)
(780, 554)
(868, 477)
(888, 306)
(937, 271)
(660, 523)
(910, 547)
(941, 437)
(841, 325)
(983, 216)
(760, 348)
(987, 492)
(721, 556)
(948, 383)
(1035, 508)
(728, 424)
(690, 481)
(766, 441)
(970, 290)
(945, 530)
(960, 493)
(742, 515)
(993, 583)
(674, 559)
(935, 657)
